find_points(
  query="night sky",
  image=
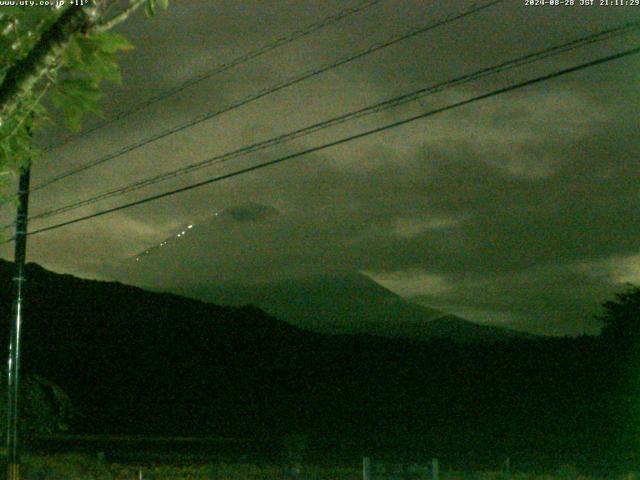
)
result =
(520, 210)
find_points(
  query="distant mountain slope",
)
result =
(351, 304)
(287, 288)
(137, 362)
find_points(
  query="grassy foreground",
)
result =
(83, 467)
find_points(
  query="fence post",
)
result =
(366, 468)
(435, 469)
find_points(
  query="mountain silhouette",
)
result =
(302, 290)
(139, 362)
(354, 303)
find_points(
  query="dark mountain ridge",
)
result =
(139, 362)
(352, 303)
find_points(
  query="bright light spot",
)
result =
(190, 226)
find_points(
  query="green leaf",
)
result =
(100, 66)
(150, 8)
(110, 42)
(75, 97)
(73, 53)
(5, 152)
(164, 4)
(106, 68)
(87, 61)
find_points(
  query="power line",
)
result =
(380, 106)
(246, 57)
(530, 58)
(268, 91)
(500, 91)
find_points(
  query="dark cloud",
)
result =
(251, 212)
(521, 209)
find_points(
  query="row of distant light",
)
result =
(181, 234)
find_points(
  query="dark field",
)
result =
(289, 458)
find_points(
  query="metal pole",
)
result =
(13, 366)
(366, 468)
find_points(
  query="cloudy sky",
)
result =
(519, 210)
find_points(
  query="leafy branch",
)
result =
(66, 52)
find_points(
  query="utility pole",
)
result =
(13, 365)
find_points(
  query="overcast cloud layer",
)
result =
(521, 210)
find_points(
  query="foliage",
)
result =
(20, 30)
(229, 471)
(294, 446)
(73, 83)
(620, 341)
(87, 62)
(621, 318)
(64, 467)
(238, 471)
(152, 5)
(44, 407)
(567, 471)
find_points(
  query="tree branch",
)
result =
(31, 108)
(105, 25)
(22, 77)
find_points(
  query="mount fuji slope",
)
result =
(353, 303)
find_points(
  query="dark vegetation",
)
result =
(135, 362)
(45, 407)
